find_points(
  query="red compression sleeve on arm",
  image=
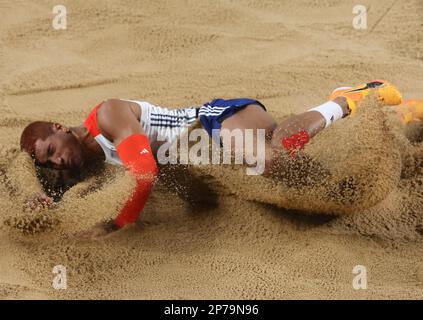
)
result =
(136, 155)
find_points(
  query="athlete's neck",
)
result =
(92, 151)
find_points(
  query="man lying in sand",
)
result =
(124, 132)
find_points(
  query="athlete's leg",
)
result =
(251, 117)
(310, 123)
(295, 132)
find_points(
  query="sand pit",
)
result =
(233, 236)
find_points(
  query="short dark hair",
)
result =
(34, 131)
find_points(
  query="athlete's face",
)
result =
(60, 150)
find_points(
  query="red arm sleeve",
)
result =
(135, 153)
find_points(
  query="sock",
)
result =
(331, 111)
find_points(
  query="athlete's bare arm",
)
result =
(119, 122)
(119, 119)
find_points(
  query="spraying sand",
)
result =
(229, 235)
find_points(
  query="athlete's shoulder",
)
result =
(116, 119)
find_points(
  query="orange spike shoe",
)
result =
(386, 92)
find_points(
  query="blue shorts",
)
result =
(213, 113)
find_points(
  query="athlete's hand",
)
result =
(38, 200)
(100, 231)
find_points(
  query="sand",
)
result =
(243, 237)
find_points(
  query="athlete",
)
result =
(125, 132)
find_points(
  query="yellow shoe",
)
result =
(386, 92)
(410, 110)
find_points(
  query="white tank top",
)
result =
(159, 124)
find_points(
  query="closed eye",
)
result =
(49, 150)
